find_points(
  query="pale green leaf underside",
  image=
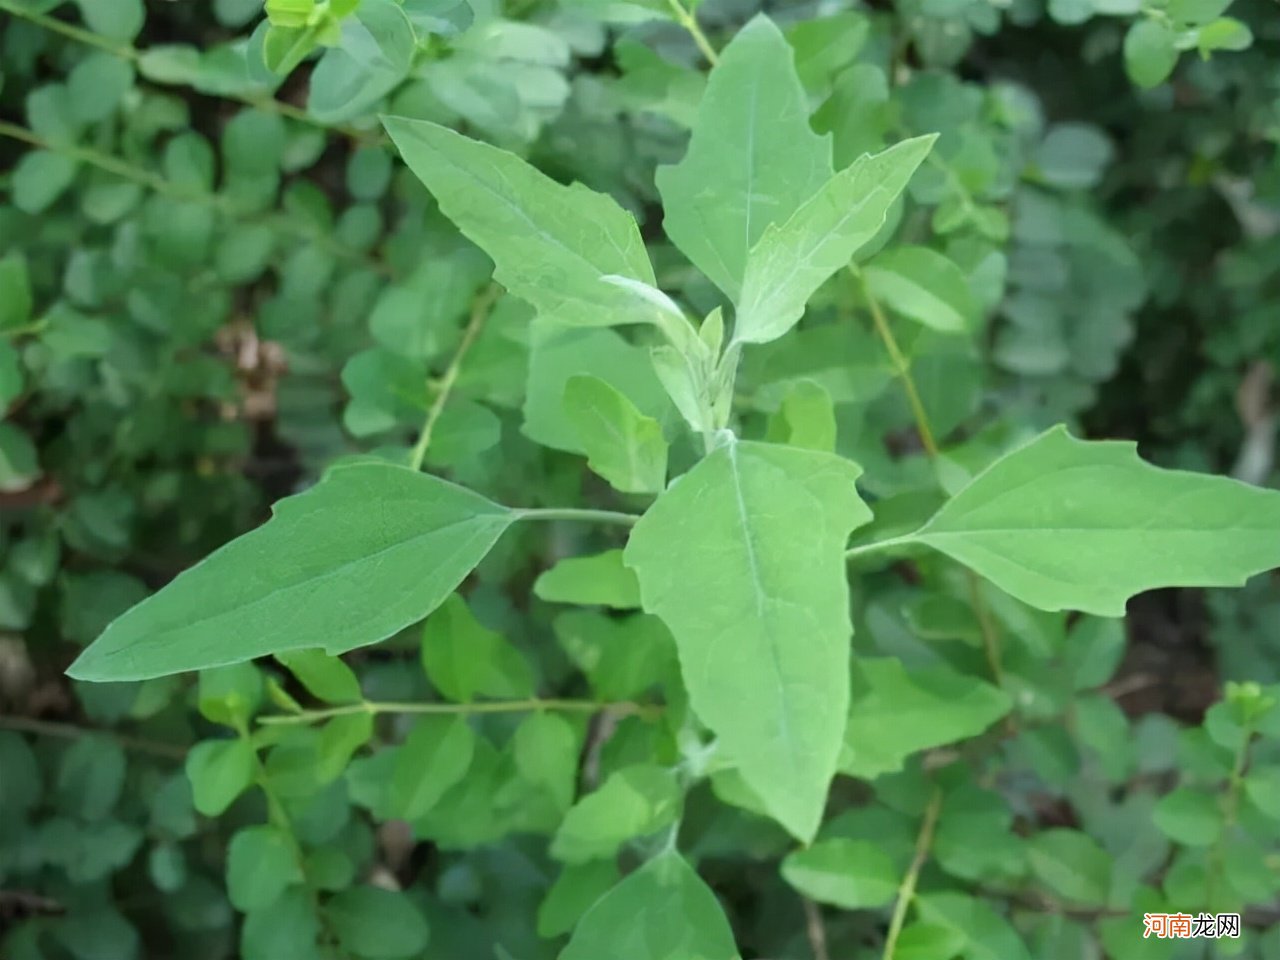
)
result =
(622, 444)
(551, 244)
(752, 158)
(1067, 524)
(742, 557)
(369, 550)
(663, 911)
(794, 258)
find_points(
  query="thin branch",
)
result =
(814, 929)
(907, 889)
(126, 52)
(901, 365)
(690, 24)
(479, 313)
(157, 183)
(69, 731)
(624, 707)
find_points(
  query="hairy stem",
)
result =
(907, 889)
(479, 313)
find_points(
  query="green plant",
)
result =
(613, 711)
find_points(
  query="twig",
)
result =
(815, 930)
(69, 731)
(479, 313)
(126, 52)
(907, 889)
(487, 706)
(690, 24)
(159, 184)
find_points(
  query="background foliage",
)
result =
(218, 277)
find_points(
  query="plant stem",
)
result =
(68, 731)
(479, 313)
(815, 929)
(490, 706)
(1230, 810)
(157, 183)
(907, 889)
(575, 513)
(875, 547)
(690, 23)
(126, 52)
(901, 365)
(990, 636)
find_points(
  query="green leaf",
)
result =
(40, 178)
(557, 353)
(552, 245)
(633, 802)
(369, 550)
(91, 777)
(285, 930)
(230, 695)
(662, 911)
(97, 85)
(465, 659)
(117, 19)
(575, 890)
(739, 557)
(1067, 524)
(1188, 816)
(622, 657)
(1262, 786)
(261, 865)
(806, 418)
(923, 285)
(326, 678)
(600, 580)
(794, 258)
(893, 714)
(376, 923)
(1071, 864)
(927, 941)
(1150, 52)
(1226, 33)
(546, 751)
(15, 292)
(987, 935)
(372, 58)
(752, 159)
(621, 443)
(850, 874)
(435, 756)
(219, 771)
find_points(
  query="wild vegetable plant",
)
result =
(767, 609)
(740, 551)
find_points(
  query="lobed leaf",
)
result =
(1067, 524)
